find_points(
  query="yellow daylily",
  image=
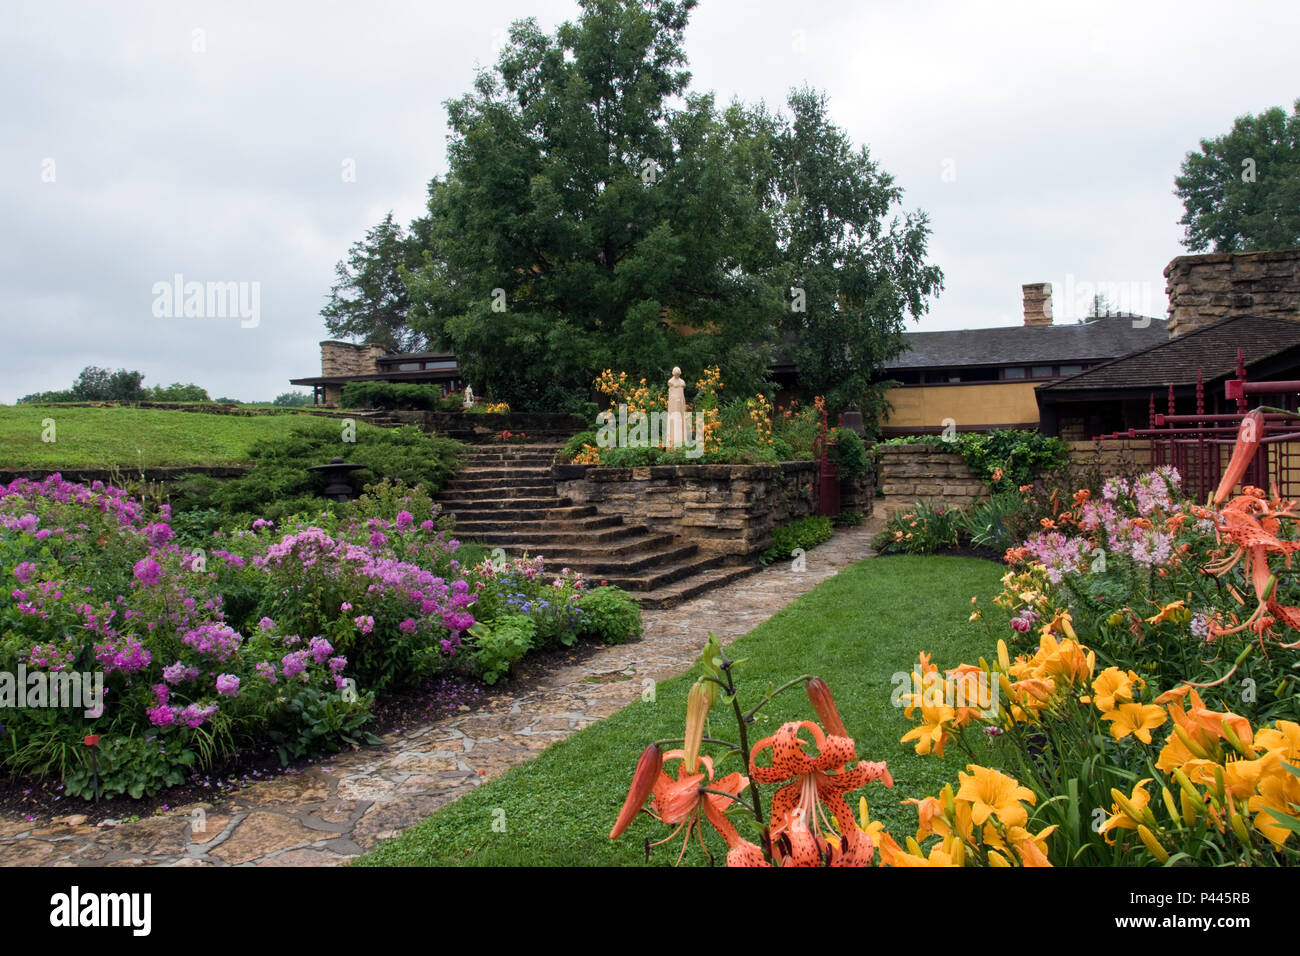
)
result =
(1278, 791)
(1136, 719)
(1110, 687)
(1121, 818)
(932, 734)
(990, 793)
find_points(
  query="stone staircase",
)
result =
(504, 496)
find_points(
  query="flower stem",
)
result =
(802, 679)
(744, 743)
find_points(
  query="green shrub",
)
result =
(848, 452)
(925, 529)
(804, 533)
(133, 766)
(280, 483)
(610, 614)
(574, 445)
(988, 523)
(392, 395)
(847, 519)
(1006, 457)
(500, 644)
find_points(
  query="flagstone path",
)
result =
(333, 811)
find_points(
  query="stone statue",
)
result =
(469, 396)
(674, 435)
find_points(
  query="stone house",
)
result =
(343, 362)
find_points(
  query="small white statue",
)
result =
(469, 396)
(675, 433)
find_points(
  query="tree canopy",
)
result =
(1241, 192)
(598, 214)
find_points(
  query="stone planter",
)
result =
(726, 508)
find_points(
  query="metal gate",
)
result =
(1199, 445)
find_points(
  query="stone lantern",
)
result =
(338, 487)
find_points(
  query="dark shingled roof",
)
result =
(1104, 338)
(1211, 349)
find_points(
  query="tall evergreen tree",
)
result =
(369, 301)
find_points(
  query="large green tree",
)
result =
(595, 215)
(369, 300)
(1241, 192)
(855, 262)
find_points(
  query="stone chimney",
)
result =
(1038, 303)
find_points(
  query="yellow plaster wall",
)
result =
(926, 406)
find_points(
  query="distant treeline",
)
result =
(96, 384)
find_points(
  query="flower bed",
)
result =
(263, 636)
(1151, 711)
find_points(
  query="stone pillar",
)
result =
(1204, 289)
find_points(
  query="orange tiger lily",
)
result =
(1243, 452)
(814, 784)
(684, 802)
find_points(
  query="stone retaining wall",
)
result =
(107, 475)
(727, 508)
(912, 473)
(1120, 456)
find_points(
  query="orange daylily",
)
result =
(1278, 791)
(1283, 736)
(1112, 686)
(944, 854)
(1031, 848)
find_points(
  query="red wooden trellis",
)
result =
(828, 481)
(1198, 444)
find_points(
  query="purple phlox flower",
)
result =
(147, 572)
(228, 684)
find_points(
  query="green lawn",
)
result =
(130, 438)
(855, 630)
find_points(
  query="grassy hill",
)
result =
(131, 437)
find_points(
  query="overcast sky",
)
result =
(147, 140)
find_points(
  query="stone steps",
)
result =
(504, 496)
(522, 507)
(612, 539)
(540, 529)
(475, 474)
